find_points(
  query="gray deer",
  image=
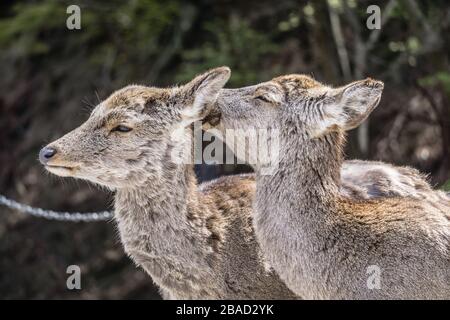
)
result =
(196, 242)
(323, 242)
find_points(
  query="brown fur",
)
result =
(195, 244)
(320, 237)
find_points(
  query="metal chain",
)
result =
(62, 215)
(55, 215)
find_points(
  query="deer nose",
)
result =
(46, 154)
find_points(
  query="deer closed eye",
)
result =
(263, 98)
(121, 128)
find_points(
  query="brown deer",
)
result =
(194, 243)
(323, 241)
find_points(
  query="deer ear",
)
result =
(348, 107)
(203, 91)
(358, 100)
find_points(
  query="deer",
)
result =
(195, 241)
(323, 241)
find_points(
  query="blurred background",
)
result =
(50, 77)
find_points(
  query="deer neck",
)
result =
(161, 228)
(306, 182)
(165, 199)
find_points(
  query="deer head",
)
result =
(298, 106)
(132, 135)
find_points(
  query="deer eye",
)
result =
(262, 98)
(121, 128)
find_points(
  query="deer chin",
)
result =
(62, 171)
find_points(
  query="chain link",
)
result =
(55, 215)
(62, 215)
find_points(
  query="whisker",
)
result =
(98, 97)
